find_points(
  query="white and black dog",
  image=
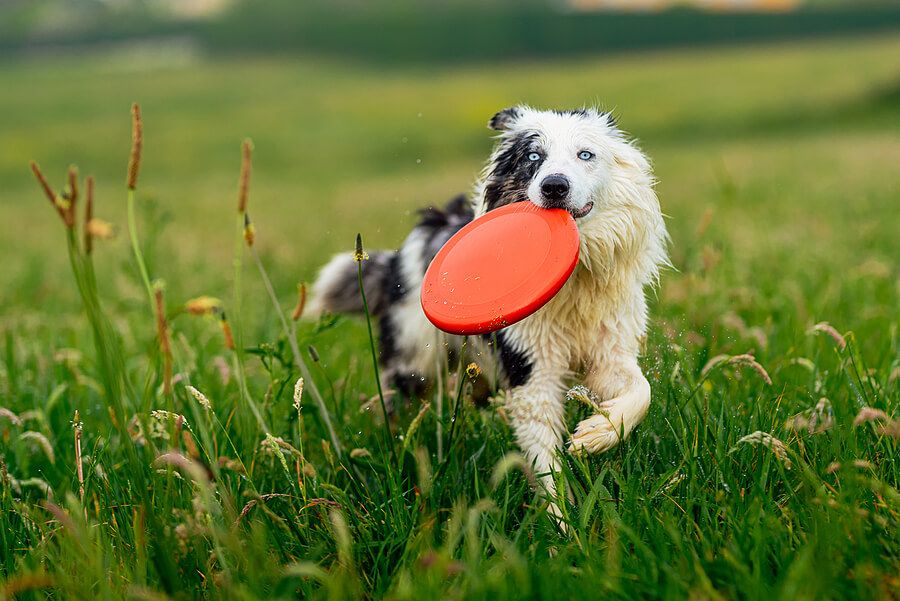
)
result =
(577, 160)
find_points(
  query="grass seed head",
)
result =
(297, 313)
(360, 254)
(203, 305)
(188, 467)
(827, 328)
(583, 395)
(891, 428)
(48, 191)
(162, 332)
(249, 230)
(745, 359)
(10, 416)
(226, 332)
(415, 423)
(200, 397)
(298, 394)
(41, 442)
(137, 144)
(99, 229)
(88, 214)
(778, 448)
(244, 181)
(79, 466)
(71, 196)
(869, 414)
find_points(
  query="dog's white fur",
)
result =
(595, 325)
(598, 320)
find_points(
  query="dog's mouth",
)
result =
(578, 213)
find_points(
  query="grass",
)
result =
(777, 167)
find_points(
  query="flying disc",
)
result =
(500, 268)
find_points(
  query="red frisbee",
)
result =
(500, 268)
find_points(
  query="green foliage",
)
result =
(777, 168)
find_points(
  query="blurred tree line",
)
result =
(416, 31)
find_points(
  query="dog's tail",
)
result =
(337, 286)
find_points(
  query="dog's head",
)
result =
(556, 159)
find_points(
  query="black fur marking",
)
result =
(409, 385)
(573, 112)
(441, 224)
(393, 289)
(344, 297)
(393, 286)
(515, 363)
(512, 173)
(504, 119)
(387, 341)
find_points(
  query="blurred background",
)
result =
(773, 126)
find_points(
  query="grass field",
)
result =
(777, 167)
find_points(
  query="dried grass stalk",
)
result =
(297, 313)
(137, 143)
(165, 345)
(71, 198)
(48, 191)
(249, 230)
(88, 214)
(226, 333)
(244, 181)
(79, 467)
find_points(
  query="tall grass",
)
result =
(767, 466)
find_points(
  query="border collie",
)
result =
(577, 160)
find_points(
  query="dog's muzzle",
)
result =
(555, 195)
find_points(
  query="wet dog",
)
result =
(577, 160)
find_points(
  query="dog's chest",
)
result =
(567, 327)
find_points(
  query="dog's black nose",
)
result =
(555, 187)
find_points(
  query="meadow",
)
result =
(767, 467)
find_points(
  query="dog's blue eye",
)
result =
(585, 155)
(534, 156)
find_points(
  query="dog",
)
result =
(578, 160)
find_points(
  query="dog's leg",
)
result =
(537, 413)
(408, 348)
(624, 396)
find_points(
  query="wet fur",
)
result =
(593, 326)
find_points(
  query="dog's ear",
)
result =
(503, 120)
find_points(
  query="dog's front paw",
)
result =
(595, 434)
(615, 420)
